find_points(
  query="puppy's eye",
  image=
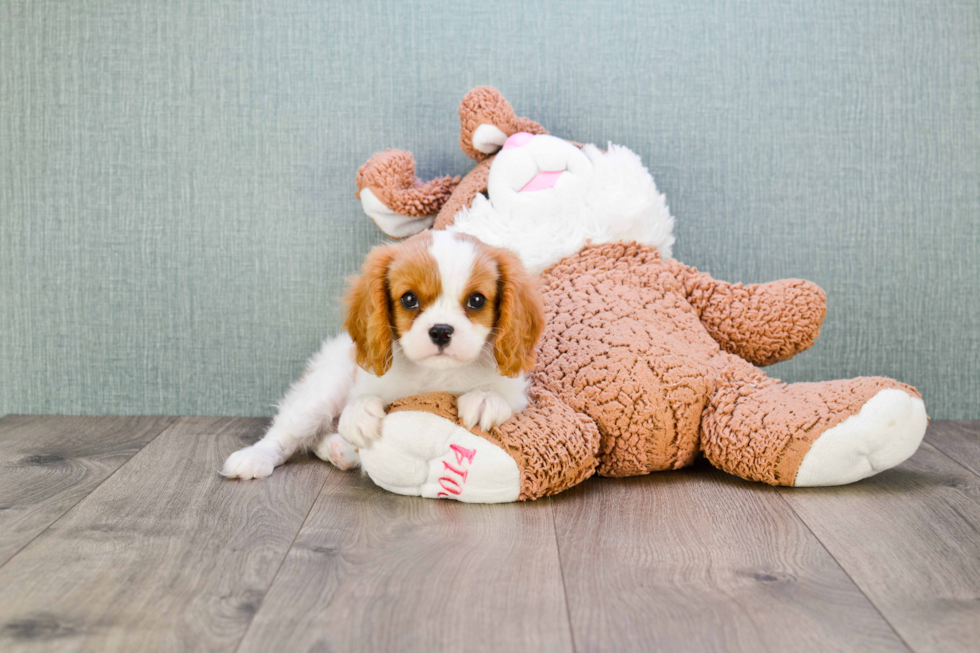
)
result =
(410, 301)
(476, 301)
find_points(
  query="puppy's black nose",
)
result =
(441, 334)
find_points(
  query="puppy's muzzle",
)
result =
(441, 334)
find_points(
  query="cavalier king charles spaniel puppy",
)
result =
(440, 311)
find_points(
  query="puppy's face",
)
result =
(444, 297)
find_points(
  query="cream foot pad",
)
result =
(422, 454)
(885, 432)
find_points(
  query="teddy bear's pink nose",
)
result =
(520, 139)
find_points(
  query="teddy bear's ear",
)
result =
(486, 120)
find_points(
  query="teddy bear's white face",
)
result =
(547, 198)
(527, 165)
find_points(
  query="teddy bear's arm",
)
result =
(762, 323)
(399, 202)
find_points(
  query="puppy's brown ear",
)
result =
(520, 315)
(369, 318)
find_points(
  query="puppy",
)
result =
(440, 311)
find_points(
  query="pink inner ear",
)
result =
(542, 181)
(520, 139)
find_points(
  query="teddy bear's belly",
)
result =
(624, 346)
(645, 388)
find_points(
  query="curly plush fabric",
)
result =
(623, 346)
(763, 323)
(474, 182)
(484, 105)
(391, 176)
(629, 343)
(760, 429)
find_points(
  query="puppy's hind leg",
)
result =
(308, 409)
(335, 449)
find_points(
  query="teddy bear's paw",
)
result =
(884, 433)
(393, 224)
(335, 449)
(488, 138)
(398, 202)
(422, 454)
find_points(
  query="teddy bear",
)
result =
(645, 363)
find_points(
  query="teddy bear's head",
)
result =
(541, 196)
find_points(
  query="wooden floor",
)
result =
(116, 533)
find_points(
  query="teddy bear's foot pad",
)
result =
(884, 433)
(393, 224)
(422, 454)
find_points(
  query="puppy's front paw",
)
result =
(251, 462)
(488, 409)
(360, 423)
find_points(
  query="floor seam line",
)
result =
(958, 463)
(282, 562)
(165, 427)
(561, 575)
(841, 566)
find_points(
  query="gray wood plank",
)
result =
(910, 539)
(696, 560)
(48, 464)
(165, 554)
(958, 440)
(372, 571)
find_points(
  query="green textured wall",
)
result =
(176, 178)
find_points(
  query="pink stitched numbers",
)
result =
(452, 482)
(463, 453)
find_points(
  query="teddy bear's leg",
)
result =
(398, 201)
(423, 454)
(424, 451)
(808, 434)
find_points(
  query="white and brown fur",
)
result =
(390, 351)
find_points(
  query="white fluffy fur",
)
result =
(333, 386)
(309, 409)
(615, 200)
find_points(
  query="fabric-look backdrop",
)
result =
(177, 208)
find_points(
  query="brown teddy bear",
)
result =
(645, 363)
